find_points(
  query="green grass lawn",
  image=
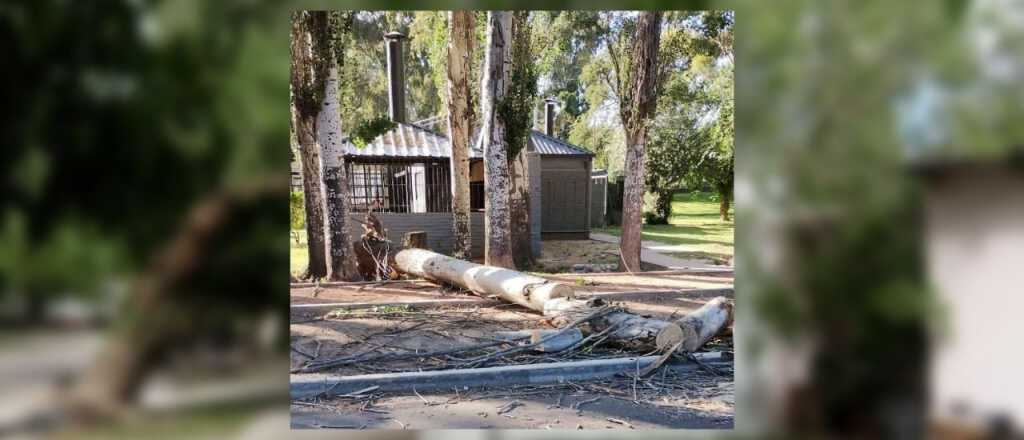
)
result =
(694, 224)
(300, 253)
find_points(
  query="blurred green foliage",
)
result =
(120, 117)
(297, 210)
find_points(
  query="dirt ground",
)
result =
(391, 319)
(558, 256)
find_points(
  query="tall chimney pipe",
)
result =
(549, 116)
(396, 76)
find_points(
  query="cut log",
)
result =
(559, 342)
(557, 301)
(515, 287)
(704, 323)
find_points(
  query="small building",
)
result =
(404, 176)
(974, 251)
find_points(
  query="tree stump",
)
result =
(415, 239)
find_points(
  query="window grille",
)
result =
(400, 186)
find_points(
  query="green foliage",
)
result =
(657, 207)
(428, 36)
(297, 209)
(517, 106)
(364, 84)
(693, 136)
(366, 131)
(694, 227)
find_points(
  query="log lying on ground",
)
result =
(515, 287)
(546, 340)
(306, 386)
(557, 301)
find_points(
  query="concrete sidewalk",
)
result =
(650, 253)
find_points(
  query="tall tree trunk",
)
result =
(497, 231)
(519, 170)
(304, 125)
(725, 194)
(519, 222)
(637, 106)
(460, 117)
(342, 265)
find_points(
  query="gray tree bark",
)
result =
(519, 207)
(519, 180)
(460, 117)
(342, 265)
(497, 231)
(637, 105)
(304, 126)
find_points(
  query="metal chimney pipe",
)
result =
(396, 76)
(549, 116)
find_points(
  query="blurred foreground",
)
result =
(137, 131)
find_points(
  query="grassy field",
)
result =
(695, 225)
(300, 254)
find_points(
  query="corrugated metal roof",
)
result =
(547, 145)
(408, 140)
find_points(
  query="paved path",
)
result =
(650, 252)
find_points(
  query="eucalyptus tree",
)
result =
(634, 81)
(460, 117)
(516, 109)
(306, 91)
(495, 84)
(316, 55)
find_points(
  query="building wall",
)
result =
(534, 175)
(974, 234)
(565, 195)
(437, 225)
(598, 200)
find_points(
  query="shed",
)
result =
(403, 175)
(974, 250)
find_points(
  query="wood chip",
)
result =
(619, 421)
(509, 406)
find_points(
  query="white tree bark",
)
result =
(556, 300)
(460, 117)
(341, 256)
(497, 230)
(515, 287)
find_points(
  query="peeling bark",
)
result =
(636, 109)
(632, 206)
(556, 300)
(460, 117)
(341, 261)
(304, 126)
(519, 221)
(497, 230)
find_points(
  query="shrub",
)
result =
(657, 207)
(297, 207)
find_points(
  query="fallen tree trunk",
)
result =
(556, 300)
(307, 386)
(515, 287)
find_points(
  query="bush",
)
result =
(297, 207)
(657, 207)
